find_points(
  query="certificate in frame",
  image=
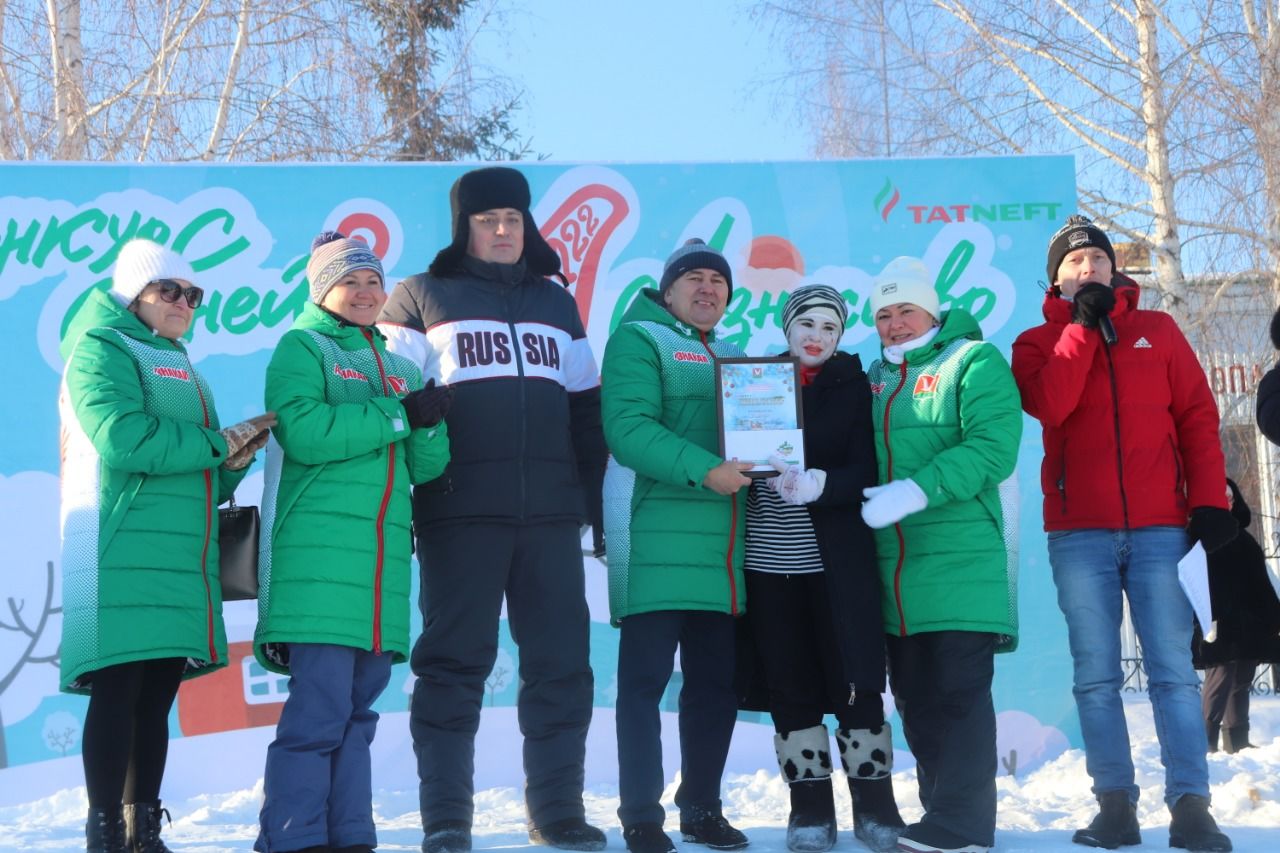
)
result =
(759, 411)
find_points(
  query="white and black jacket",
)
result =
(524, 428)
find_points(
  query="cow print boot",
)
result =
(867, 756)
(804, 757)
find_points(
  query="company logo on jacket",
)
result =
(925, 384)
(1142, 343)
(398, 384)
(695, 357)
(347, 373)
(172, 373)
(877, 388)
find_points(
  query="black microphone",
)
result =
(1108, 330)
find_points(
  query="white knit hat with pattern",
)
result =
(142, 262)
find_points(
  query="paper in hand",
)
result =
(1193, 576)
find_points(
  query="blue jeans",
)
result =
(1091, 569)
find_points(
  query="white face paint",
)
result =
(813, 335)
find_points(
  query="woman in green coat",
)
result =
(144, 466)
(948, 420)
(356, 428)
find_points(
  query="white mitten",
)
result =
(892, 502)
(797, 485)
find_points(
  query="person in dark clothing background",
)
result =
(503, 520)
(1268, 411)
(1246, 613)
(1247, 617)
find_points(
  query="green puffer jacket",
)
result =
(334, 561)
(950, 418)
(673, 545)
(141, 482)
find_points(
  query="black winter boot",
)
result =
(699, 826)
(142, 827)
(1115, 825)
(572, 833)
(447, 836)
(811, 827)
(867, 756)
(1235, 739)
(104, 831)
(1193, 828)
(647, 838)
(804, 757)
(876, 822)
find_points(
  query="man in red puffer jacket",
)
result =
(1133, 474)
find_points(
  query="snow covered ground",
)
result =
(1036, 813)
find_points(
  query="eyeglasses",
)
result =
(170, 290)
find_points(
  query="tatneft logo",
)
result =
(172, 373)
(696, 357)
(889, 196)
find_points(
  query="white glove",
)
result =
(797, 485)
(892, 502)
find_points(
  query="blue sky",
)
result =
(645, 81)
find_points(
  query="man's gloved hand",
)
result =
(1092, 302)
(1213, 527)
(796, 485)
(892, 502)
(240, 435)
(428, 405)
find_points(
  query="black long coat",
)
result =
(1244, 602)
(1268, 406)
(838, 439)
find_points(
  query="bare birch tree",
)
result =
(216, 80)
(1170, 110)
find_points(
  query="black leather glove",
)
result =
(1092, 302)
(1212, 527)
(428, 405)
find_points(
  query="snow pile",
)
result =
(1036, 813)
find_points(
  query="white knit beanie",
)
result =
(142, 262)
(905, 279)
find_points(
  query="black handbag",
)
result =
(238, 552)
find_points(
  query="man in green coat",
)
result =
(674, 522)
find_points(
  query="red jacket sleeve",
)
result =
(1051, 380)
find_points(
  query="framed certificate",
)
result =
(760, 412)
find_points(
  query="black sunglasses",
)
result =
(170, 290)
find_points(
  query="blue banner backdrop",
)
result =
(982, 225)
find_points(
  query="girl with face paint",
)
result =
(817, 637)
